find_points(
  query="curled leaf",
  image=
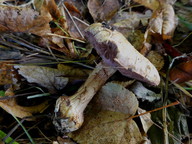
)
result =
(163, 21)
(11, 106)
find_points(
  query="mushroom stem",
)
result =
(70, 109)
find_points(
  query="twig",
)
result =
(157, 109)
(52, 53)
(72, 20)
(65, 37)
(81, 21)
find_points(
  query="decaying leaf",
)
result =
(11, 106)
(143, 93)
(15, 19)
(76, 28)
(72, 72)
(52, 79)
(163, 22)
(126, 22)
(7, 54)
(152, 4)
(145, 120)
(156, 59)
(103, 10)
(136, 38)
(8, 76)
(115, 97)
(107, 127)
(182, 72)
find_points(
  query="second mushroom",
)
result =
(117, 54)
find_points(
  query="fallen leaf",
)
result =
(156, 59)
(173, 52)
(7, 54)
(136, 38)
(103, 10)
(152, 4)
(76, 27)
(163, 22)
(72, 72)
(11, 106)
(50, 78)
(107, 127)
(126, 22)
(17, 19)
(8, 76)
(114, 97)
(145, 120)
(182, 72)
(143, 93)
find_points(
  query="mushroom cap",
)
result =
(118, 53)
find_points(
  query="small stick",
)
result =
(73, 21)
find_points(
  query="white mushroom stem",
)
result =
(70, 109)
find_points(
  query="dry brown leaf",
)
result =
(74, 72)
(163, 22)
(107, 127)
(50, 78)
(125, 22)
(182, 72)
(11, 106)
(152, 4)
(59, 17)
(76, 28)
(15, 19)
(115, 97)
(8, 76)
(156, 59)
(103, 10)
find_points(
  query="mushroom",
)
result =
(117, 54)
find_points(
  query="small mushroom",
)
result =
(117, 54)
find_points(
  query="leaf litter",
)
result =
(56, 32)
